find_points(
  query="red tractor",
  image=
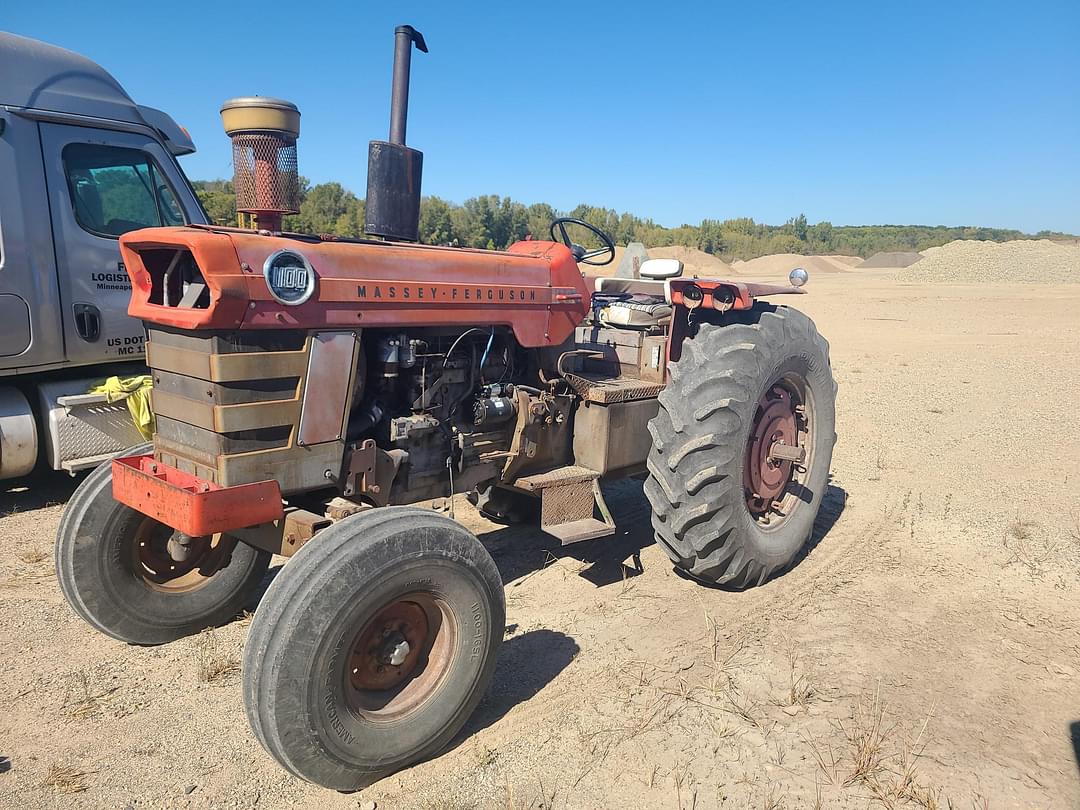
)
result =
(291, 370)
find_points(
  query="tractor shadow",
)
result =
(527, 663)
(520, 551)
(1074, 738)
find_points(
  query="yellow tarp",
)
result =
(136, 390)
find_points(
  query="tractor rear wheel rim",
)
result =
(400, 657)
(157, 568)
(781, 416)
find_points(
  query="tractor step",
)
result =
(572, 507)
(559, 477)
(578, 530)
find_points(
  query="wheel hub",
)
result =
(389, 647)
(767, 473)
(172, 561)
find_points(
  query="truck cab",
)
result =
(82, 164)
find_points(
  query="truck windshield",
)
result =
(115, 189)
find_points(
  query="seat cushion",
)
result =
(640, 311)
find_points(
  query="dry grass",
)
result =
(27, 577)
(32, 556)
(773, 800)
(801, 692)
(212, 662)
(83, 702)
(1021, 529)
(866, 733)
(882, 460)
(875, 759)
(66, 779)
(1027, 548)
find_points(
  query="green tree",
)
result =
(490, 220)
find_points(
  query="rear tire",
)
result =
(323, 691)
(705, 514)
(102, 572)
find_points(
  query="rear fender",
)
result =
(717, 295)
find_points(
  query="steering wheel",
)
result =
(581, 254)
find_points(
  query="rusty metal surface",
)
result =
(765, 477)
(430, 628)
(182, 573)
(614, 439)
(190, 504)
(566, 503)
(265, 175)
(328, 386)
(606, 391)
(216, 367)
(369, 471)
(227, 418)
(781, 451)
(604, 388)
(533, 286)
(285, 536)
(230, 403)
(370, 663)
(560, 476)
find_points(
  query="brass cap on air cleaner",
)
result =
(260, 114)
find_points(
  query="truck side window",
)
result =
(114, 189)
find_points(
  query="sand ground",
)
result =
(924, 653)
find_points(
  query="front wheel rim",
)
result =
(156, 566)
(400, 657)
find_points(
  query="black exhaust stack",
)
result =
(392, 208)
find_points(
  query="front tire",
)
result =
(724, 509)
(114, 570)
(373, 646)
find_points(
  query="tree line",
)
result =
(495, 222)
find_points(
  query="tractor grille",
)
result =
(228, 405)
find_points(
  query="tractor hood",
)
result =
(204, 278)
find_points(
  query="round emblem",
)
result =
(289, 277)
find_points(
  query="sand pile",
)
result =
(1024, 261)
(695, 262)
(780, 264)
(894, 258)
(846, 261)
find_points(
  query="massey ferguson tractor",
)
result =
(291, 371)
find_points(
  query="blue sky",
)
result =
(854, 112)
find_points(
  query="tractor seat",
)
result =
(639, 311)
(642, 302)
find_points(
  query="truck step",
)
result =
(82, 430)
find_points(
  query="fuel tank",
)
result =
(204, 278)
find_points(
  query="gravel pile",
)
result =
(894, 258)
(1024, 261)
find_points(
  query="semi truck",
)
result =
(81, 164)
